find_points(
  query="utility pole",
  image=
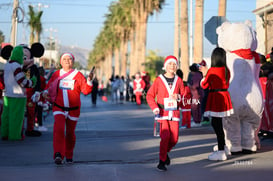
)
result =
(51, 30)
(176, 30)
(14, 22)
(191, 34)
(222, 8)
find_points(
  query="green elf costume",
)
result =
(14, 96)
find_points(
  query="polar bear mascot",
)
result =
(239, 41)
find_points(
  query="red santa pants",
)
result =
(186, 118)
(169, 136)
(138, 98)
(30, 116)
(64, 141)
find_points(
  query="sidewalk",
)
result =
(115, 143)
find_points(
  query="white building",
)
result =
(264, 25)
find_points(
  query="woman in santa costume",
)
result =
(66, 107)
(139, 86)
(164, 98)
(218, 105)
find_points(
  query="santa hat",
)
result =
(203, 63)
(67, 54)
(143, 73)
(169, 59)
(267, 57)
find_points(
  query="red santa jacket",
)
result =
(69, 91)
(218, 102)
(160, 90)
(139, 86)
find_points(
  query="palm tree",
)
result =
(143, 8)
(184, 39)
(198, 31)
(35, 25)
(222, 8)
(126, 23)
(176, 29)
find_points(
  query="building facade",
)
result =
(264, 25)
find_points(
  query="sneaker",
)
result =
(193, 124)
(42, 128)
(183, 127)
(161, 166)
(168, 161)
(58, 158)
(33, 133)
(218, 155)
(227, 151)
(205, 123)
(69, 161)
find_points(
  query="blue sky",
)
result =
(78, 22)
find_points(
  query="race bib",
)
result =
(67, 84)
(170, 104)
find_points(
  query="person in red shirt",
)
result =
(186, 107)
(139, 86)
(2, 87)
(164, 98)
(66, 107)
(218, 103)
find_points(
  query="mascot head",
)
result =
(36, 50)
(235, 36)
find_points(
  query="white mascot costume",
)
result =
(239, 41)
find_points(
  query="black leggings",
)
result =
(219, 131)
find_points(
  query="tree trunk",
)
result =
(184, 39)
(117, 62)
(31, 37)
(137, 45)
(133, 62)
(222, 8)
(124, 50)
(142, 42)
(176, 29)
(198, 31)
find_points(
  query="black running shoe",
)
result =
(69, 161)
(33, 133)
(161, 166)
(58, 158)
(168, 161)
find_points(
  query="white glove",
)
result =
(45, 107)
(35, 97)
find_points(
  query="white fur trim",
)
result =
(156, 109)
(219, 114)
(66, 115)
(167, 118)
(168, 61)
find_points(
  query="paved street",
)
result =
(115, 142)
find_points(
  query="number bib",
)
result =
(170, 104)
(67, 84)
